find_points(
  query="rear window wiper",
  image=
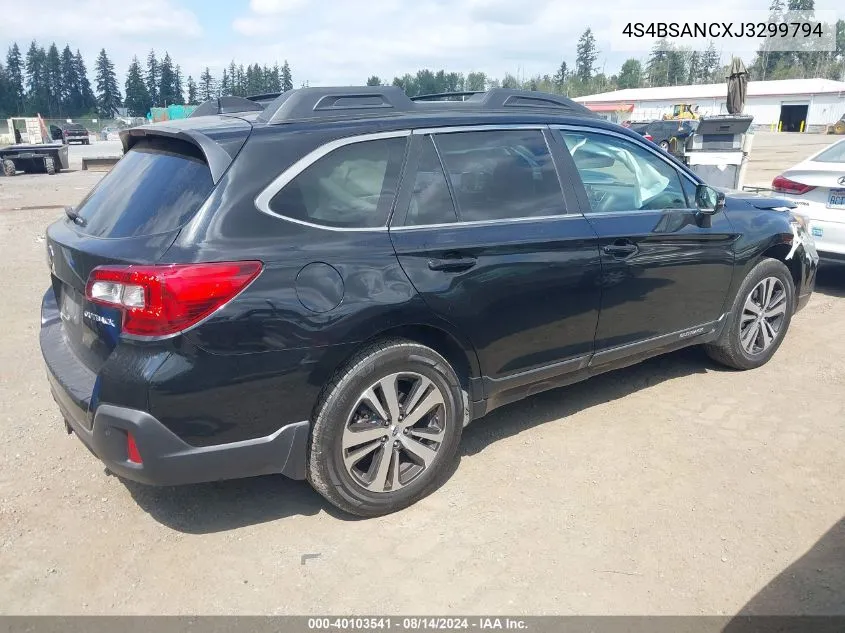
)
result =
(74, 216)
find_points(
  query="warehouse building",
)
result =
(791, 105)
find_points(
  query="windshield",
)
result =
(833, 154)
(155, 188)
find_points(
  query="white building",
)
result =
(788, 103)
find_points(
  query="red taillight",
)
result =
(132, 450)
(164, 300)
(648, 137)
(785, 185)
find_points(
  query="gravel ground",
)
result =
(672, 487)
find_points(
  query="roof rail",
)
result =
(226, 105)
(311, 103)
(445, 96)
(500, 98)
(307, 103)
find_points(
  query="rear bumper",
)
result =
(167, 460)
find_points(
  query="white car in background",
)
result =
(817, 186)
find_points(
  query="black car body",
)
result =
(75, 133)
(277, 251)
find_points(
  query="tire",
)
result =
(50, 166)
(750, 341)
(350, 472)
(664, 145)
(9, 168)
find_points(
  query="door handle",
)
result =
(621, 248)
(452, 264)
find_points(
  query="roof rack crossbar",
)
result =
(443, 96)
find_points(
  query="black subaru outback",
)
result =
(333, 284)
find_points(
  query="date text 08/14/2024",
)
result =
(415, 624)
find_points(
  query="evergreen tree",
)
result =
(286, 77)
(7, 102)
(53, 76)
(225, 84)
(709, 63)
(153, 77)
(694, 68)
(677, 63)
(108, 94)
(89, 102)
(207, 88)
(232, 71)
(586, 56)
(657, 66)
(373, 80)
(241, 81)
(178, 91)
(560, 78)
(275, 79)
(192, 91)
(70, 97)
(137, 100)
(37, 88)
(252, 80)
(166, 78)
(14, 73)
(631, 74)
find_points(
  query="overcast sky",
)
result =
(339, 41)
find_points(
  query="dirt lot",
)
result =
(673, 487)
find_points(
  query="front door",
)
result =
(666, 268)
(489, 245)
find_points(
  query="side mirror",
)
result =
(708, 200)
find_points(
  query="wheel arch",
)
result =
(456, 349)
(781, 252)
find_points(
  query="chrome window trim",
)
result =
(487, 127)
(262, 200)
(539, 218)
(595, 130)
(541, 127)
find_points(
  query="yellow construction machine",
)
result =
(682, 111)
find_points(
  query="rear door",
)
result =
(132, 216)
(481, 228)
(666, 269)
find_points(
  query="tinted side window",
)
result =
(501, 174)
(351, 187)
(431, 202)
(622, 176)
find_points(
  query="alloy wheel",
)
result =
(394, 432)
(762, 316)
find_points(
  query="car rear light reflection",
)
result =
(132, 452)
(785, 185)
(165, 300)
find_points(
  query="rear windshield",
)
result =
(155, 188)
(74, 126)
(833, 154)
